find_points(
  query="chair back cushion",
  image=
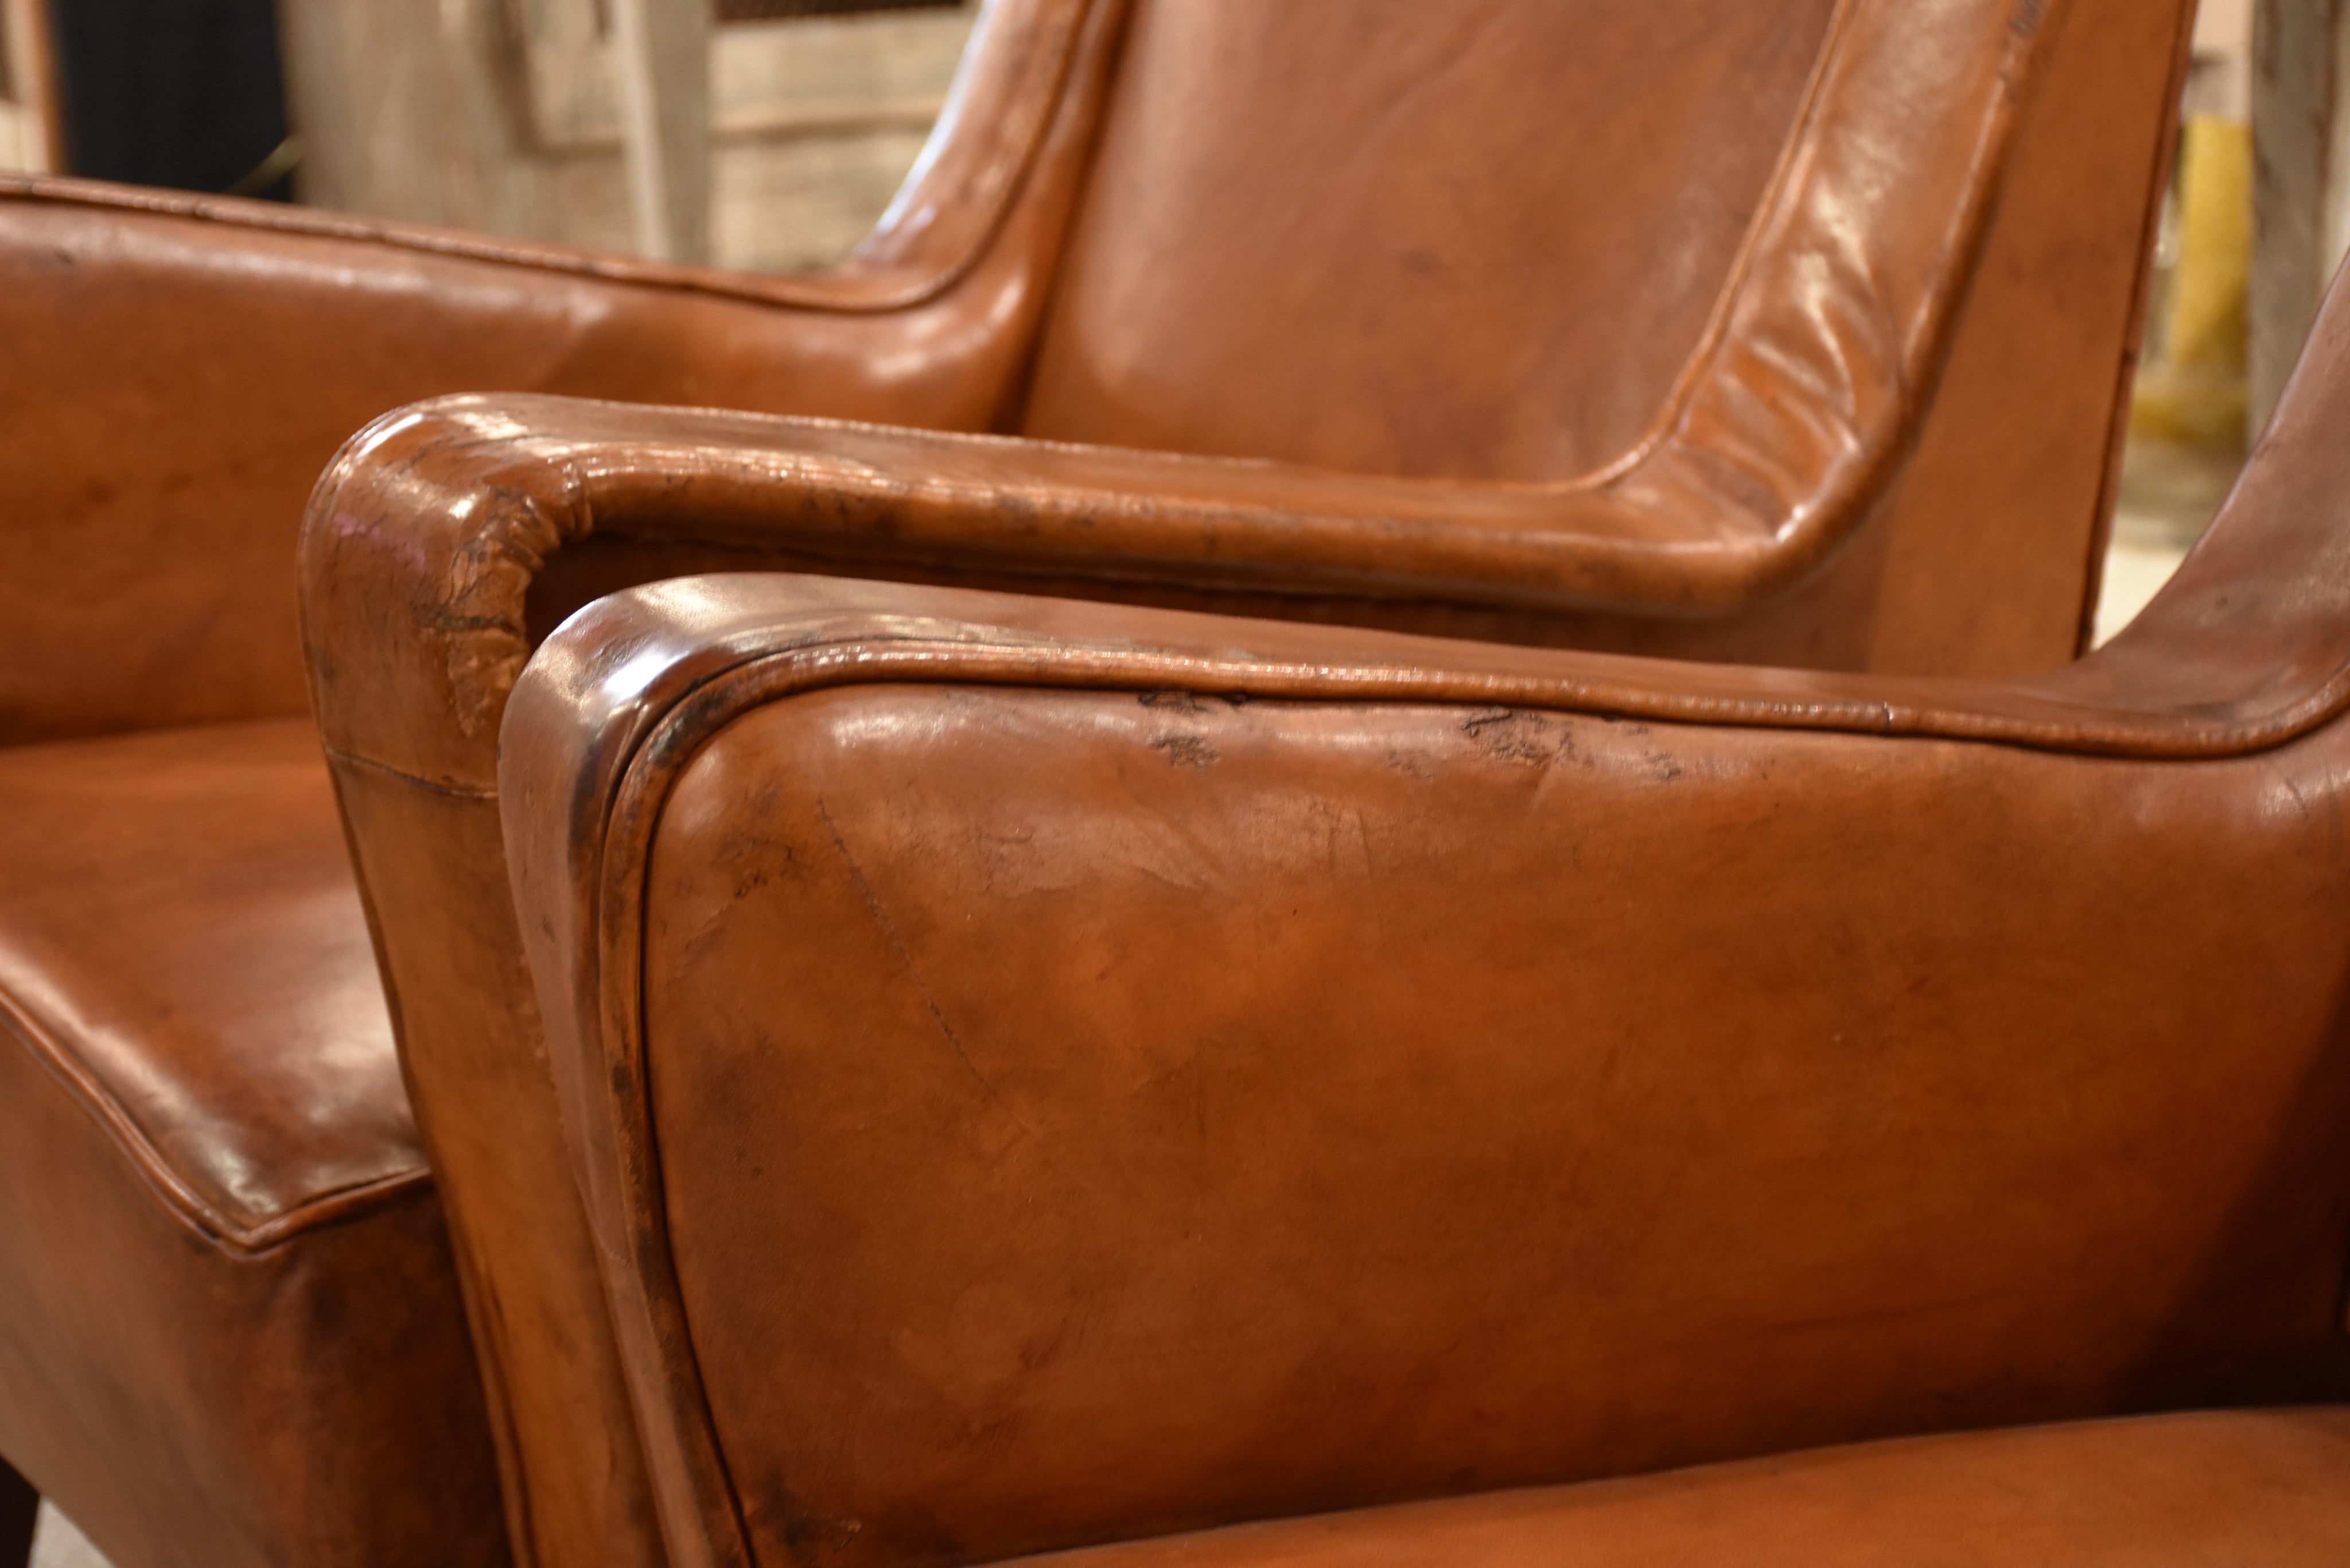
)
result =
(1475, 239)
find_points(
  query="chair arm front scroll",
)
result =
(1042, 1074)
(181, 368)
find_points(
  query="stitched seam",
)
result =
(884, 659)
(437, 786)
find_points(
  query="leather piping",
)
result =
(222, 1232)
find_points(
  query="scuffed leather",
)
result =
(448, 539)
(1045, 1073)
(230, 1329)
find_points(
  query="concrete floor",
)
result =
(58, 1544)
(2134, 571)
(2169, 496)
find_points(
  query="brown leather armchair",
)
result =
(1740, 382)
(1049, 1077)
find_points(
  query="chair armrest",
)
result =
(444, 545)
(182, 367)
(1041, 1074)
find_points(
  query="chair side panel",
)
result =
(1084, 1114)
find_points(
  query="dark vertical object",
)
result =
(20, 1505)
(184, 93)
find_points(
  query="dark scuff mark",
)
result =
(905, 958)
(1186, 751)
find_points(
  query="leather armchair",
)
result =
(1805, 346)
(1047, 1077)
(1743, 383)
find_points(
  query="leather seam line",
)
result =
(436, 786)
(239, 1242)
(887, 661)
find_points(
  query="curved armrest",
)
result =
(464, 508)
(430, 543)
(1476, 1065)
(1042, 1073)
(183, 366)
(1764, 463)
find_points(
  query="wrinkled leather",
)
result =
(1045, 1073)
(231, 1331)
(1875, 380)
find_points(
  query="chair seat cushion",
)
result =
(2243, 1489)
(230, 1329)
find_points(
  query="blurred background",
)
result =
(505, 116)
(767, 135)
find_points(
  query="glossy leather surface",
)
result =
(245, 341)
(1962, 212)
(182, 368)
(1044, 1074)
(179, 932)
(232, 1331)
(1837, 471)
(2260, 1490)
(1428, 323)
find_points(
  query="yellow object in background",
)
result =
(2193, 392)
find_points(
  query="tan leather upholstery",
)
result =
(487, 521)
(1046, 1075)
(1426, 323)
(232, 1333)
(1955, 378)
(2262, 1491)
(1941, 203)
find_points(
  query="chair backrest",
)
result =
(1505, 239)
(1477, 239)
